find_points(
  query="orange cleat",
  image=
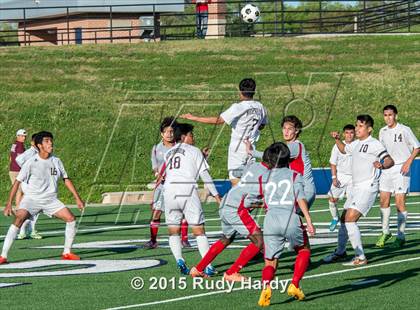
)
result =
(3, 260)
(195, 273)
(70, 256)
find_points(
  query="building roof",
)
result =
(13, 9)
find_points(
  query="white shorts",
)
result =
(183, 202)
(393, 181)
(157, 204)
(362, 198)
(48, 207)
(237, 160)
(344, 189)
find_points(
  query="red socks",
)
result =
(154, 227)
(301, 264)
(211, 254)
(246, 255)
(184, 230)
(268, 274)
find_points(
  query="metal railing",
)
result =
(122, 23)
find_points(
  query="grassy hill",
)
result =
(104, 102)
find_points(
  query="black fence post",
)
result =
(110, 24)
(68, 25)
(282, 17)
(24, 26)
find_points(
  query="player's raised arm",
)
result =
(341, 146)
(70, 186)
(214, 120)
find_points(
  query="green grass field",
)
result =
(104, 102)
(389, 281)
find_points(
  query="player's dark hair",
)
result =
(297, 123)
(277, 155)
(365, 119)
(168, 122)
(247, 87)
(182, 130)
(41, 135)
(33, 136)
(349, 127)
(391, 107)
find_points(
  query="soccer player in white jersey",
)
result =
(158, 152)
(246, 118)
(184, 165)
(40, 176)
(20, 160)
(369, 157)
(341, 175)
(403, 146)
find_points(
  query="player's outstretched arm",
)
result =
(69, 184)
(388, 162)
(304, 208)
(8, 209)
(341, 146)
(214, 120)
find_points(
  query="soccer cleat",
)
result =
(356, 262)
(35, 235)
(382, 239)
(186, 244)
(265, 297)
(334, 257)
(234, 277)
(398, 243)
(295, 292)
(70, 256)
(21, 236)
(333, 224)
(3, 260)
(210, 271)
(195, 273)
(150, 245)
(183, 267)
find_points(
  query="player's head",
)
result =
(44, 141)
(390, 115)
(21, 135)
(291, 127)
(348, 133)
(277, 155)
(167, 129)
(247, 88)
(33, 139)
(184, 133)
(364, 126)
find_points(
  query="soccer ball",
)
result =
(250, 13)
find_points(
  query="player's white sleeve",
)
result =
(381, 137)
(208, 181)
(294, 149)
(264, 120)
(230, 114)
(63, 172)
(411, 138)
(200, 162)
(22, 158)
(350, 147)
(24, 172)
(380, 151)
(334, 155)
(153, 157)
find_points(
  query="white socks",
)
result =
(355, 239)
(333, 210)
(176, 246)
(23, 227)
(33, 222)
(69, 236)
(385, 216)
(10, 238)
(342, 239)
(402, 219)
(202, 244)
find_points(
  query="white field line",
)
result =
(110, 228)
(238, 289)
